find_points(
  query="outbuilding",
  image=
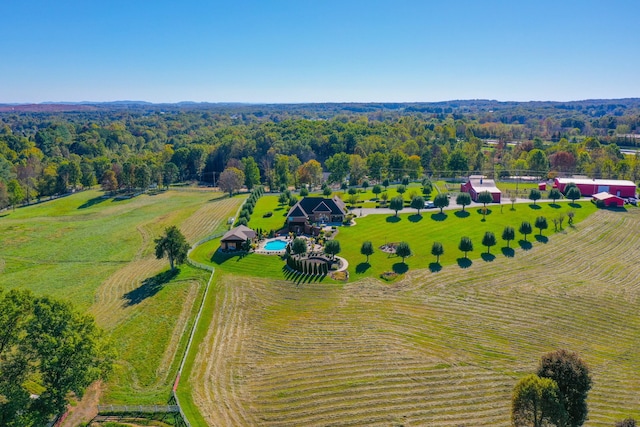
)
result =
(477, 184)
(589, 187)
(609, 200)
(236, 237)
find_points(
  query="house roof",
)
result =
(241, 232)
(481, 183)
(309, 205)
(605, 196)
(586, 181)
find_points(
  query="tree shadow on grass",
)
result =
(301, 278)
(554, 205)
(488, 211)
(415, 218)
(439, 216)
(150, 287)
(525, 244)
(535, 207)
(362, 267)
(220, 257)
(393, 219)
(541, 239)
(92, 202)
(575, 205)
(435, 267)
(488, 257)
(400, 268)
(508, 252)
(464, 262)
(462, 214)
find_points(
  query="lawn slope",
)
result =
(437, 349)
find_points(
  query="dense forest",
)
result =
(50, 149)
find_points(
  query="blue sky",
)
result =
(318, 50)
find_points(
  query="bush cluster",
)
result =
(308, 267)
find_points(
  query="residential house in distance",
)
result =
(477, 184)
(310, 213)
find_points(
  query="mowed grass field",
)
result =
(436, 349)
(99, 254)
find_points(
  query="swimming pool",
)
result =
(275, 245)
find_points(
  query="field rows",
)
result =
(435, 349)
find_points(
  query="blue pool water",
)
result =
(275, 245)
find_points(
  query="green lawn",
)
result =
(421, 231)
(98, 254)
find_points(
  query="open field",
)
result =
(437, 349)
(98, 253)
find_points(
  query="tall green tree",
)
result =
(397, 204)
(508, 234)
(525, 228)
(441, 201)
(463, 199)
(488, 240)
(541, 224)
(332, 247)
(555, 194)
(16, 193)
(251, 172)
(485, 197)
(465, 245)
(417, 203)
(173, 245)
(403, 250)
(299, 246)
(437, 250)
(572, 375)
(47, 345)
(573, 194)
(536, 402)
(534, 195)
(338, 167)
(366, 249)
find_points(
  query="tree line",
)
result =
(45, 154)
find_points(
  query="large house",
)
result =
(589, 187)
(310, 212)
(236, 237)
(477, 184)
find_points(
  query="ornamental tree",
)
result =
(508, 234)
(465, 245)
(525, 228)
(397, 204)
(417, 203)
(488, 240)
(463, 199)
(541, 224)
(534, 195)
(403, 250)
(441, 201)
(366, 249)
(437, 249)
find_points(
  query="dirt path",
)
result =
(87, 407)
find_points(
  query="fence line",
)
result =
(147, 409)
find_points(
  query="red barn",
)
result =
(589, 187)
(478, 184)
(609, 200)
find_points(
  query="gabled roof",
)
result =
(241, 232)
(480, 183)
(605, 196)
(309, 205)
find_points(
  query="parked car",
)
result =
(633, 201)
(429, 205)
